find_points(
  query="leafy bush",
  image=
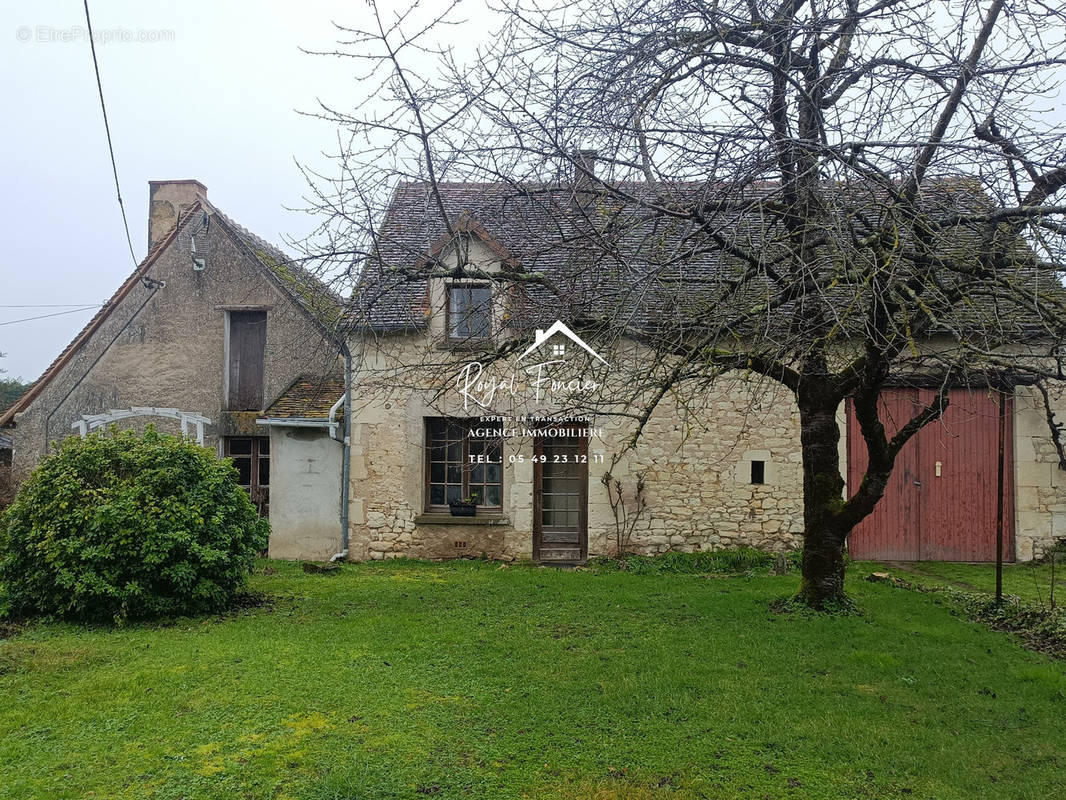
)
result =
(8, 486)
(127, 526)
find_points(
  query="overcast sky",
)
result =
(204, 89)
(213, 95)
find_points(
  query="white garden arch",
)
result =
(90, 422)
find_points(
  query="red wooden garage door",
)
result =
(940, 504)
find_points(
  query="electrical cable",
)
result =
(46, 316)
(50, 305)
(107, 129)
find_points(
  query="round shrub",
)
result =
(127, 526)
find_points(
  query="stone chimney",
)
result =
(584, 170)
(166, 200)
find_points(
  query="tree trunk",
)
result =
(823, 488)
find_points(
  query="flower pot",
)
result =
(463, 509)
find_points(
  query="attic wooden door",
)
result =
(560, 497)
(941, 503)
(247, 349)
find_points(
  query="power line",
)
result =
(53, 305)
(46, 316)
(107, 129)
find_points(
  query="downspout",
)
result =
(346, 464)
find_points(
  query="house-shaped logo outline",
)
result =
(559, 327)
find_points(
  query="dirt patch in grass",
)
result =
(903, 566)
(10, 629)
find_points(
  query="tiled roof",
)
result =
(608, 256)
(307, 398)
(323, 304)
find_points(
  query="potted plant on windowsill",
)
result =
(467, 507)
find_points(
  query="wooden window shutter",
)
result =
(247, 351)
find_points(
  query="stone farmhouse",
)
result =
(377, 428)
(432, 425)
(213, 327)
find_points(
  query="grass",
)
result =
(414, 680)
(1030, 582)
(736, 560)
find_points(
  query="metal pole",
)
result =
(999, 498)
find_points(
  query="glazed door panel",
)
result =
(560, 498)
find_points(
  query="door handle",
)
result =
(918, 484)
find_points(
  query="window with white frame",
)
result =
(469, 311)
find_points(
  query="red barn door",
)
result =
(940, 504)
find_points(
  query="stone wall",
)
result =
(696, 461)
(1039, 481)
(165, 347)
(698, 475)
(695, 455)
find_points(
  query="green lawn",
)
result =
(1030, 582)
(467, 680)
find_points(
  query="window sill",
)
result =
(433, 518)
(465, 345)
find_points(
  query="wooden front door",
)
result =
(941, 501)
(560, 497)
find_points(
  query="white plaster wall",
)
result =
(305, 493)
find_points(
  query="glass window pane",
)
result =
(452, 476)
(434, 430)
(469, 311)
(480, 312)
(264, 471)
(456, 301)
(264, 446)
(244, 471)
(240, 447)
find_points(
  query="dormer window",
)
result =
(469, 316)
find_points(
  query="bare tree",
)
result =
(827, 195)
